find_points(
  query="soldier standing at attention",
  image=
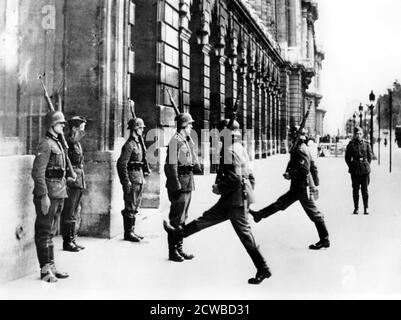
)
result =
(235, 183)
(131, 171)
(298, 171)
(358, 157)
(181, 164)
(71, 214)
(48, 173)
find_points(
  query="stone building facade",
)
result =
(101, 53)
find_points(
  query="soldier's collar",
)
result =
(52, 136)
(135, 138)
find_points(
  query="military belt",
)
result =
(134, 165)
(185, 169)
(54, 173)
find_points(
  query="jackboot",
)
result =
(264, 213)
(323, 236)
(263, 271)
(186, 256)
(68, 238)
(176, 233)
(173, 254)
(58, 274)
(129, 234)
(356, 211)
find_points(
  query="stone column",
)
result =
(265, 120)
(272, 119)
(242, 112)
(304, 34)
(250, 128)
(292, 24)
(282, 35)
(258, 119)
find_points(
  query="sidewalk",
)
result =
(364, 260)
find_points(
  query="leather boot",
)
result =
(323, 235)
(186, 256)
(129, 235)
(58, 274)
(173, 254)
(176, 233)
(74, 237)
(356, 211)
(264, 213)
(366, 211)
(263, 271)
(68, 243)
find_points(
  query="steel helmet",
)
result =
(294, 130)
(235, 126)
(183, 119)
(136, 123)
(54, 117)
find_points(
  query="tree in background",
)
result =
(385, 107)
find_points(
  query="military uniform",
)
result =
(71, 215)
(358, 156)
(130, 171)
(181, 164)
(299, 168)
(49, 175)
(234, 184)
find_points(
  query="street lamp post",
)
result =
(360, 115)
(371, 107)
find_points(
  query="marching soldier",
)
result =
(71, 214)
(49, 176)
(302, 172)
(234, 183)
(131, 171)
(358, 156)
(181, 164)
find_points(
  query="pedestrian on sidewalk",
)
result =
(181, 165)
(358, 156)
(302, 172)
(71, 214)
(234, 183)
(132, 170)
(49, 176)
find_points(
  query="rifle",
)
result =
(235, 109)
(50, 105)
(301, 127)
(177, 111)
(146, 168)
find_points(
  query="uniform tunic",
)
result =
(181, 164)
(358, 156)
(130, 171)
(48, 173)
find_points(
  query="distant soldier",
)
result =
(49, 176)
(358, 157)
(131, 171)
(71, 214)
(234, 183)
(181, 164)
(303, 174)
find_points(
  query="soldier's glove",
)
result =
(127, 188)
(286, 176)
(215, 189)
(45, 204)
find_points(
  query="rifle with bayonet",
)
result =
(50, 105)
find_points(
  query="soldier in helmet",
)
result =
(49, 176)
(298, 170)
(181, 164)
(358, 156)
(71, 215)
(234, 183)
(130, 168)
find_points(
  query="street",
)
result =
(363, 262)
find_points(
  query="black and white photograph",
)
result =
(200, 150)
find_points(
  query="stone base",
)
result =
(17, 218)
